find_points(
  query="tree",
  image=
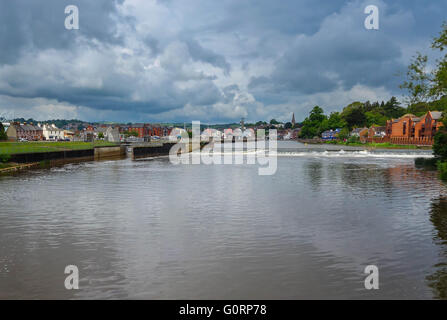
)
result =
(439, 87)
(419, 79)
(392, 108)
(343, 134)
(3, 135)
(335, 121)
(440, 141)
(288, 125)
(375, 118)
(317, 114)
(314, 124)
(354, 115)
(273, 121)
(131, 134)
(100, 135)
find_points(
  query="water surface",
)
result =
(152, 230)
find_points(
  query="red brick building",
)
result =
(140, 128)
(410, 129)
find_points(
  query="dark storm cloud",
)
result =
(341, 55)
(199, 53)
(216, 59)
(35, 25)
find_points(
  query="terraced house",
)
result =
(19, 131)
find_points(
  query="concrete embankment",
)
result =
(153, 150)
(109, 152)
(162, 149)
(49, 156)
(87, 154)
(24, 161)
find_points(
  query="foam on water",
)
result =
(329, 154)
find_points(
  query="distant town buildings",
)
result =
(20, 132)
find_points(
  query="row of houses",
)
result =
(29, 132)
(115, 133)
(407, 129)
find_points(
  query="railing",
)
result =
(425, 141)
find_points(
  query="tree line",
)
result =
(356, 114)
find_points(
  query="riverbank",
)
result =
(48, 154)
(20, 156)
(8, 168)
(9, 148)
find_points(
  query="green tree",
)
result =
(439, 87)
(273, 121)
(336, 121)
(314, 124)
(374, 117)
(418, 80)
(100, 135)
(343, 134)
(354, 115)
(131, 134)
(3, 135)
(392, 109)
(288, 125)
(317, 114)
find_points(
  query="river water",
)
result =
(151, 230)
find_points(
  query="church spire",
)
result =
(293, 119)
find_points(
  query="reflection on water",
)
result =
(151, 230)
(438, 216)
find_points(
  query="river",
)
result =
(151, 230)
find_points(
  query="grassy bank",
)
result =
(8, 148)
(385, 145)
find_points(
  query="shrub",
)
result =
(353, 139)
(440, 145)
(442, 168)
(430, 163)
(3, 135)
(4, 158)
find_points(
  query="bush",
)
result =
(442, 168)
(440, 145)
(4, 158)
(353, 139)
(3, 135)
(430, 163)
(343, 134)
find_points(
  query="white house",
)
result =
(52, 133)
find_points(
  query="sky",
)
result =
(207, 60)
